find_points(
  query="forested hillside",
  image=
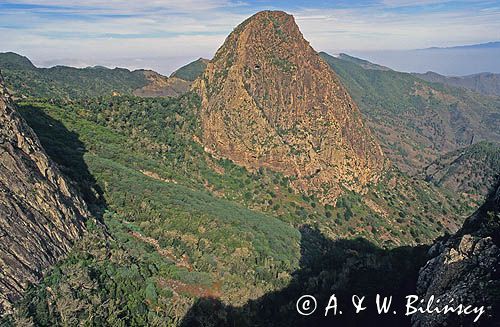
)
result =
(484, 83)
(184, 224)
(417, 121)
(221, 204)
(26, 80)
(191, 71)
(473, 170)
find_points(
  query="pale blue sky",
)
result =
(164, 34)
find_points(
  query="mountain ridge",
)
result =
(472, 170)
(484, 83)
(414, 120)
(264, 185)
(27, 80)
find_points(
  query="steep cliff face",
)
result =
(466, 268)
(269, 100)
(40, 214)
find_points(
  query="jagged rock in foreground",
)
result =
(466, 268)
(40, 214)
(269, 100)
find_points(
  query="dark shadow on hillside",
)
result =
(65, 148)
(343, 268)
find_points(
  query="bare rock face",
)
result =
(40, 215)
(269, 100)
(465, 268)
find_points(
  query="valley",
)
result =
(218, 195)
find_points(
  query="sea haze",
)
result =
(456, 61)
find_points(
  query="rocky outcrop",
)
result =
(161, 86)
(269, 100)
(466, 268)
(40, 214)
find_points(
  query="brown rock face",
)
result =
(269, 100)
(40, 215)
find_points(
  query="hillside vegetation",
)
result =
(26, 80)
(306, 203)
(473, 170)
(484, 83)
(22, 77)
(184, 225)
(191, 71)
(414, 120)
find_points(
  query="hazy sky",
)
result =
(163, 34)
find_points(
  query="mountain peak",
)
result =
(269, 100)
(273, 22)
(270, 14)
